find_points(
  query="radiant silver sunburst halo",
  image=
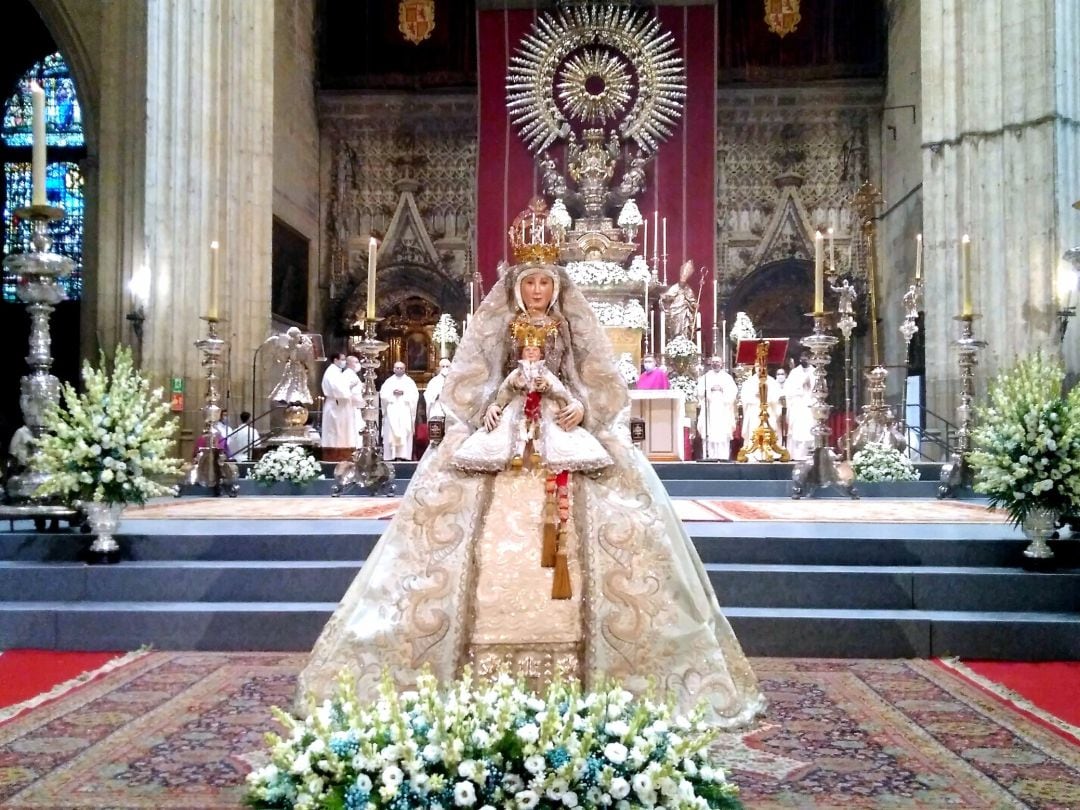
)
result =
(595, 86)
(600, 60)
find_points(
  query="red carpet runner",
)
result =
(27, 673)
(1046, 691)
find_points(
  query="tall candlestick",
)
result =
(967, 309)
(371, 261)
(918, 257)
(819, 274)
(663, 250)
(37, 166)
(645, 243)
(832, 254)
(697, 328)
(656, 230)
(215, 283)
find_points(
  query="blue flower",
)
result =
(356, 798)
(557, 757)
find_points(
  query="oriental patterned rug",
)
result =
(180, 730)
(867, 510)
(266, 508)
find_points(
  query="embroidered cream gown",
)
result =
(456, 578)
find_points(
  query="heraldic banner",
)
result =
(681, 177)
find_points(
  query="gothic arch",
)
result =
(62, 18)
(776, 295)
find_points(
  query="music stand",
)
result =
(764, 444)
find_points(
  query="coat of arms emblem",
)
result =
(416, 19)
(782, 16)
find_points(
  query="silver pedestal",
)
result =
(211, 467)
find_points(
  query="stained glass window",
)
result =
(63, 178)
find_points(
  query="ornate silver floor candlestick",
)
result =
(846, 308)
(956, 472)
(912, 305)
(38, 271)
(821, 469)
(211, 467)
(367, 469)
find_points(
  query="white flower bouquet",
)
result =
(492, 745)
(599, 273)
(1027, 441)
(680, 348)
(628, 316)
(287, 463)
(627, 368)
(445, 330)
(111, 444)
(629, 216)
(559, 217)
(877, 462)
(686, 384)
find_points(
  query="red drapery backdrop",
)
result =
(681, 178)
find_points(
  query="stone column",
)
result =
(209, 176)
(1000, 136)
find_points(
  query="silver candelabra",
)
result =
(822, 468)
(39, 271)
(956, 472)
(211, 467)
(366, 468)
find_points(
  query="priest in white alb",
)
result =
(434, 390)
(338, 419)
(749, 397)
(800, 420)
(399, 397)
(717, 393)
(353, 367)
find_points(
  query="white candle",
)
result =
(663, 250)
(663, 330)
(656, 233)
(645, 243)
(967, 309)
(819, 274)
(918, 257)
(697, 328)
(215, 289)
(372, 249)
(37, 166)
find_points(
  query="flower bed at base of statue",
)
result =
(110, 444)
(876, 462)
(287, 463)
(489, 745)
(1027, 441)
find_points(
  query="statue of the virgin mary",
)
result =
(459, 578)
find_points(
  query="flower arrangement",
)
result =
(559, 217)
(491, 745)
(627, 368)
(288, 463)
(599, 273)
(110, 443)
(687, 385)
(629, 216)
(877, 462)
(445, 331)
(628, 316)
(680, 348)
(1027, 441)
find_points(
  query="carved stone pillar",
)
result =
(1001, 148)
(209, 176)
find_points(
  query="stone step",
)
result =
(762, 631)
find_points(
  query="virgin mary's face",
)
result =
(536, 292)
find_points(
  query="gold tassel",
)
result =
(560, 583)
(547, 551)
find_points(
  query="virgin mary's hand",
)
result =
(570, 416)
(491, 417)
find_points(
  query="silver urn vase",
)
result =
(1038, 526)
(103, 519)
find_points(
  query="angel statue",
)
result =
(297, 351)
(681, 305)
(512, 549)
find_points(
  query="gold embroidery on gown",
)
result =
(448, 582)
